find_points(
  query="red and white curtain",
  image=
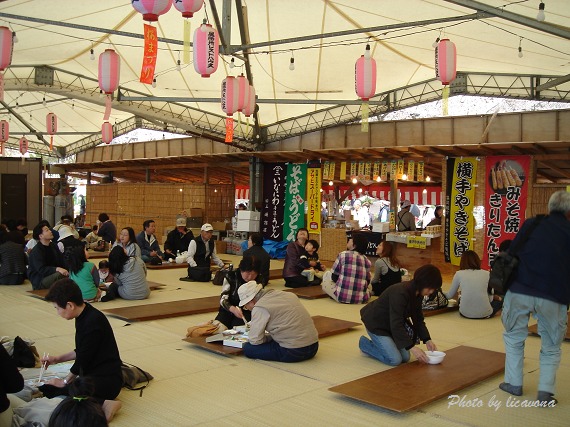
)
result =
(416, 195)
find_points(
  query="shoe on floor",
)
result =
(546, 399)
(515, 390)
(186, 279)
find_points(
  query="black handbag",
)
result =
(220, 275)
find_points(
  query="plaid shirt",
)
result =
(353, 270)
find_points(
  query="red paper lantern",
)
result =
(6, 45)
(109, 71)
(51, 123)
(445, 61)
(107, 132)
(243, 92)
(250, 107)
(206, 49)
(151, 9)
(188, 7)
(23, 145)
(365, 78)
(230, 95)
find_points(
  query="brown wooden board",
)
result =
(428, 313)
(165, 310)
(308, 292)
(413, 385)
(166, 266)
(326, 326)
(41, 293)
(276, 273)
(533, 330)
(98, 255)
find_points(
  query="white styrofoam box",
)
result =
(248, 215)
(247, 225)
(238, 248)
(381, 227)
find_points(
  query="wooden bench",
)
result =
(413, 385)
(428, 313)
(166, 266)
(41, 293)
(98, 255)
(308, 292)
(326, 326)
(533, 330)
(165, 310)
(276, 273)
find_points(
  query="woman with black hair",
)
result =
(129, 276)
(107, 230)
(128, 241)
(395, 321)
(82, 272)
(293, 266)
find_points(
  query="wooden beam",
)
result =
(563, 172)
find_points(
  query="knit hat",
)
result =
(248, 291)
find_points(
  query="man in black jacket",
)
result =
(255, 245)
(45, 260)
(201, 252)
(177, 240)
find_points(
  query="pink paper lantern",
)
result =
(445, 61)
(23, 145)
(206, 49)
(51, 124)
(365, 78)
(107, 132)
(250, 107)
(188, 7)
(151, 9)
(6, 47)
(230, 95)
(4, 131)
(109, 71)
(243, 92)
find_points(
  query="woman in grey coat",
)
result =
(130, 277)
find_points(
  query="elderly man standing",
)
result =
(541, 288)
(201, 251)
(292, 333)
(406, 221)
(178, 239)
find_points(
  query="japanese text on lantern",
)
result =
(211, 49)
(464, 174)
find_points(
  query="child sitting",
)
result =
(104, 275)
(92, 238)
(310, 260)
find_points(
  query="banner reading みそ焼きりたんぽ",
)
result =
(459, 202)
(274, 175)
(506, 190)
(295, 192)
(314, 198)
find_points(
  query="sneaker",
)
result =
(515, 390)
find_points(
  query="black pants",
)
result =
(104, 388)
(199, 274)
(229, 320)
(301, 282)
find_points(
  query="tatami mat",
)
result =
(197, 387)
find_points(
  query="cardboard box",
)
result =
(248, 215)
(196, 212)
(219, 225)
(221, 247)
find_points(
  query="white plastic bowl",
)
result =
(435, 357)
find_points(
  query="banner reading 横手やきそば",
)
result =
(295, 192)
(274, 175)
(314, 199)
(506, 191)
(459, 200)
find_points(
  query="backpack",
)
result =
(435, 301)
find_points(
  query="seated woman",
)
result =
(293, 267)
(96, 354)
(127, 240)
(82, 272)
(438, 212)
(386, 268)
(129, 277)
(12, 259)
(476, 301)
(395, 321)
(349, 279)
(230, 314)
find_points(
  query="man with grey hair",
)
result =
(541, 287)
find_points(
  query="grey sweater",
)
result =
(132, 281)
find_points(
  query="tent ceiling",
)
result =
(60, 33)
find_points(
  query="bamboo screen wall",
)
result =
(130, 204)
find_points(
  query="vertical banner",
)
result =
(326, 171)
(314, 198)
(186, 43)
(506, 190)
(149, 55)
(361, 166)
(273, 200)
(393, 170)
(384, 171)
(411, 169)
(376, 170)
(342, 171)
(295, 191)
(459, 200)
(400, 170)
(367, 170)
(331, 170)
(353, 169)
(420, 176)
